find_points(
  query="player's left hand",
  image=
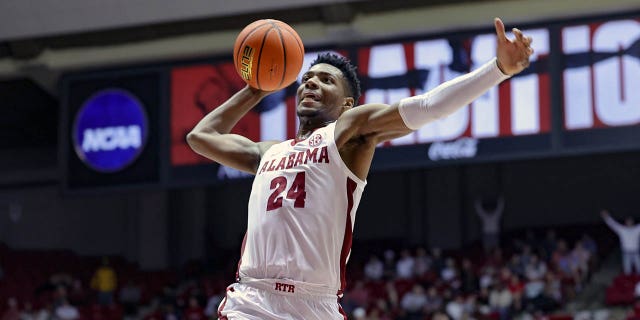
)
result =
(513, 55)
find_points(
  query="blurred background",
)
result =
(492, 213)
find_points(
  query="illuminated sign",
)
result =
(110, 130)
(601, 82)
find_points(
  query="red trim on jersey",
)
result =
(348, 235)
(244, 243)
(224, 302)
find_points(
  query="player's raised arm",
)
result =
(384, 123)
(211, 137)
(271, 72)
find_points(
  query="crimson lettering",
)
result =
(292, 160)
(285, 287)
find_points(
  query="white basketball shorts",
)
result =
(275, 299)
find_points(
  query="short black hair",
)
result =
(348, 71)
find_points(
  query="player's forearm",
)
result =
(222, 119)
(450, 96)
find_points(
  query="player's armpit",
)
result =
(231, 150)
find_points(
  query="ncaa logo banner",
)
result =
(110, 130)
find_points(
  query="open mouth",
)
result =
(310, 96)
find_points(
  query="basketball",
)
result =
(268, 54)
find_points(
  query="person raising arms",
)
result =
(306, 190)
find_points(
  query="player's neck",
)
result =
(309, 124)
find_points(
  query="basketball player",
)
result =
(306, 190)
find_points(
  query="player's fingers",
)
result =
(528, 40)
(502, 36)
(518, 34)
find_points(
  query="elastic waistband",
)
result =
(290, 288)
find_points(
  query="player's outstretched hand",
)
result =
(513, 55)
(604, 213)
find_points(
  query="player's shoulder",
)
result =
(263, 146)
(362, 110)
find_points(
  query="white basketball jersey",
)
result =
(302, 210)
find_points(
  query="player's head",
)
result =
(328, 88)
(348, 72)
(629, 221)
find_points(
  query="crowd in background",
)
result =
(536, 276)
(532, 275)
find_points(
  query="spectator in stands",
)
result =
(536, 269)
(495, 259)
(12, 312)
(27, 312)
(389, 264)
(358, 296)
(437, 260)
(516, 287)
(66, 311)
(535, 273)
(405, 265)
(468, 280)
(450, 272)
(561, 259)
(487, 277)
(77, 294)
(549, 244)
(553, 287)
(629, 235)
(440, 316)
(549, 299)
(359, 314)
(380, 310)
(414, 303)
(104, 281)
(392, 294)
(422, 262)
(580, 257)
(211, 310)
(456, 308)
(434, 300)
(377, 314)
(374, 268)
(194, 311)
(490, 212)
(130, 295)
(482, 301)
(525, 257)
(500, 300)
(515, 265)
(46, 313)
(589, 244)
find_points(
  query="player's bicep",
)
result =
(372, 120)
(231, 150)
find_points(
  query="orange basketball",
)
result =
(268, 54)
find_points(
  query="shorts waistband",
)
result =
(290, 288)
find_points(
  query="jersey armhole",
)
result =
(333, 148)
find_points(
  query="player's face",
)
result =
(322, 92)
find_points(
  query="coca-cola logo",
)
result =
(457, 149)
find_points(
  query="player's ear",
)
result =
(348, 103)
